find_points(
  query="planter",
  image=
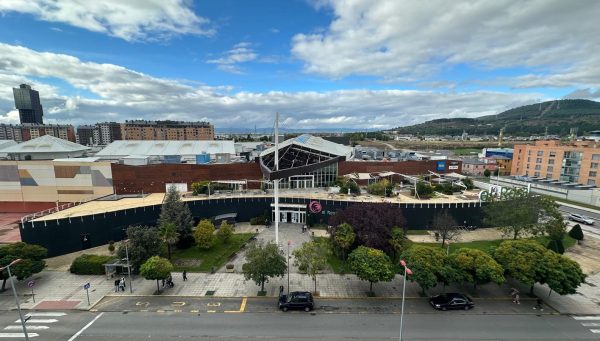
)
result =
(229, 268)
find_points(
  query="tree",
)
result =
(423, 189)
(371, 265)
(205, 234)
(168, 235)
(576, 233)
(383, 188)
(516, 215)
(344, 238)
(372, 223)
(262, 262)
(347, 185)
(175, 211)
(445, 226)
(156, 268)
(143, 243)
(556, 246)
(487, 173)
(468, 182)
(564, 275)
(32, 260)
(311, 257)
(476, 266)
(397, 241)
(225, 232)
(428, 266)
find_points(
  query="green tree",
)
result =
(205, 234)
(156, 268)
(225, 232)
(487, 173)
(476, 266)
(347, 185)
(428, 265)
(576, 233)
(468, 182)
(371, 265)
(32, 260)
(312, 258)
(516, 216)
(168, 235)
(143, 243)
(397, 241)
(383, 188)
(344, 238)
(445, 226)
(262, 262)
(556, 246)
(564, 275)
(423, 189)
(175, 211)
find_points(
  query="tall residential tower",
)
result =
(27, 101)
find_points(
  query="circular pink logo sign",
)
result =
(314, 207)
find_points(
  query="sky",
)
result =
(321, 64)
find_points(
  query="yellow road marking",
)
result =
(242, 307)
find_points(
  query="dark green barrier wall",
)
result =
(74, 234)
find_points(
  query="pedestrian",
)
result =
(117, 282)
(516, 299)
(163, 282)
(122, 284)
(538, 305)
(184, 275)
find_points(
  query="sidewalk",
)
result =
(62, 290)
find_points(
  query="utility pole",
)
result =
(276, 181)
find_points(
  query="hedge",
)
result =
(89, 264)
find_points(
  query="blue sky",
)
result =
(320, 63)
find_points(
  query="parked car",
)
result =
(296, 300)
(581, 219)
(451, 301)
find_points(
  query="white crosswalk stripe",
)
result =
(35, 321)
(584, 322)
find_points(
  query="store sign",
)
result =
(314, 207)
(452, 167)
(501, 193)
(441, 165)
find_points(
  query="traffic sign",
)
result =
(86, 286)
(30, 284)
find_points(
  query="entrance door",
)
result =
(294, 218)
(283, 217)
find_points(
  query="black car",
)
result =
(451, 301)
(296, 300)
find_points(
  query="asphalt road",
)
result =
(592, 229)
(306, 326)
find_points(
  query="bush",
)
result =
(89, 264)
(424, 189)
(224, 232)
(204, 234)
(260, 220)
(576, 232)
(383, 188)
(556, 246)
(111, 247)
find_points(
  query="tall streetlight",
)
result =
(407, 271)
(12, 284)
(128, 266)
(288, 267)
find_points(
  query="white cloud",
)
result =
(413, 40)
(130, 20)
(126, 94)
(240, 53)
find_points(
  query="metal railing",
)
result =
(57, 208)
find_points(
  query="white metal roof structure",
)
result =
(316, 143)
(45, 144)
(5, 144)
(123, 148)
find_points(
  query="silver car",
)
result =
(581, 219)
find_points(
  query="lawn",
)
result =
(417, 232)
(216, 256)
(466, 151)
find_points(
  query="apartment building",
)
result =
(28, 131)
(571, 162)
(167, 130)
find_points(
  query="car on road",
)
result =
(580, 218)
(296, 300)
(451, 301)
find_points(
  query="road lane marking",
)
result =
(194, 311)
(591, 324)
(178, 304)
(39, 321)
(595, 331)
(18, 335)
(85, 327)
(211, 311)
(28, 327)
(215, 304)
(242, 307)
(49, 314)
(587, 318)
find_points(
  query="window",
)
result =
(550, 169)
(552, 154)
(549, 175)
(538, 167)
(591, 182)
(538, 160)
(551, 161)
(528, 159)
(540, 153)
(536, 174)
(596, 157)
(529, 152)
(593, 174)
(594, 165)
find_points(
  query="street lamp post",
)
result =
(407, 271)
(128, 266)
(12, 284)
(288, 267)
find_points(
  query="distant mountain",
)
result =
(287, 130)
(557, 116)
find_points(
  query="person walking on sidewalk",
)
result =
(538, 305)
(184, 275)
(117, 282)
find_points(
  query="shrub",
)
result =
(556, 246)
(576, 232)
(225, 231)
(204, 234)
(111, 247)
(89, 264)
(383, 188)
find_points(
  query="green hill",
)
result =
(558, 116)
